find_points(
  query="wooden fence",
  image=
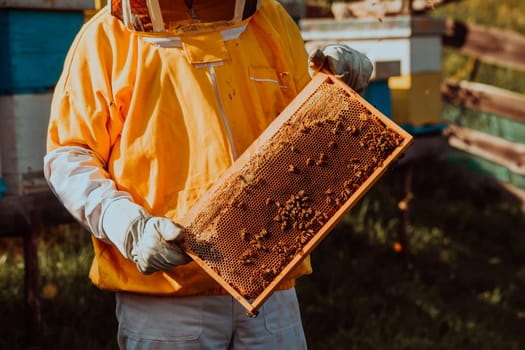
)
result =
(487, 123)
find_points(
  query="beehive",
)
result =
(30, 61)
(23, 127)
(35, 36)
(290, 188)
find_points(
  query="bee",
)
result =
(244, 234)
(293, 169)
(263, 234)
(247, 258)
(352, 130)
(321, 162)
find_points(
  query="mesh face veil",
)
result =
(169, 17)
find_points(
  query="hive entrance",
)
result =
(290, 188)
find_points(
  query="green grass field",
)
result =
(460, 283)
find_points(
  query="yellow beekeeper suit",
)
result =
(164, 117)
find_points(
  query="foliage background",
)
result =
(459, 283)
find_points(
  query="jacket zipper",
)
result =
(221, 108)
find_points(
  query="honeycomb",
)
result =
(290, 188)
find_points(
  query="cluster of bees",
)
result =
(294, 214)
(380, 141)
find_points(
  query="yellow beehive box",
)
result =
(416, 98)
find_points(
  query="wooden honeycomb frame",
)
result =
(290, 188)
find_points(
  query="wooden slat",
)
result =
(485, 98)
(509, 154)
(490, 45)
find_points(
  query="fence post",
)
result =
(32, 275)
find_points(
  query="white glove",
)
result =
(151, 242)
(350, 65)
(77, 176)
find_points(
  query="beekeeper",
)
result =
(156, 100)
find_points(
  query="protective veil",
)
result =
(172, 17)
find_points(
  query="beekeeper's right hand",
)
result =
(79, 179)
(151, 242)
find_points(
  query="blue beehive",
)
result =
(34, 46)
(35, 37)
(378, 94)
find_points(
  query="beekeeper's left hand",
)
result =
(348, 64)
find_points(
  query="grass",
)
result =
(458, 285)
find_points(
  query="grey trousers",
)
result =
(208, 322)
